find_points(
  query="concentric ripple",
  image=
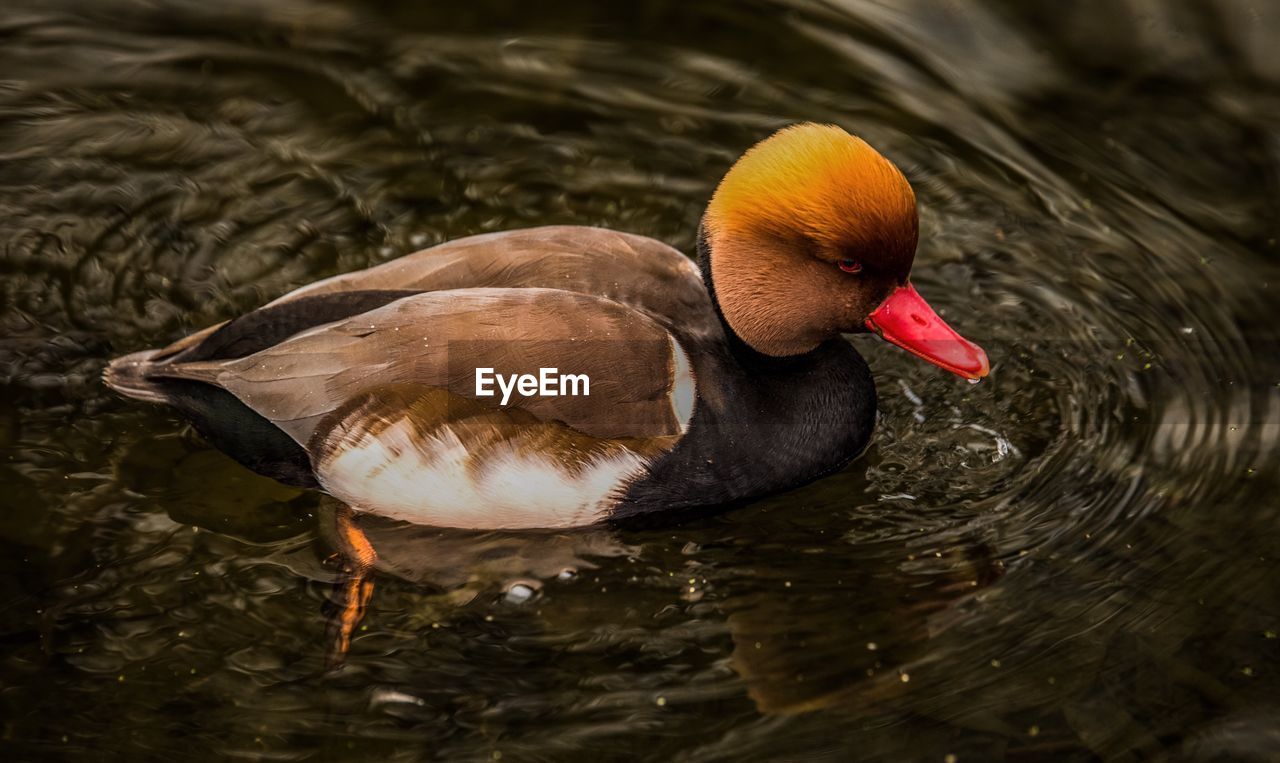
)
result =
(1073, 558)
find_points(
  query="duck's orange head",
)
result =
(812, 234)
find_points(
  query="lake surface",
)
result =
(1076, 559)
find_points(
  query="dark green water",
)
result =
(1074, 560)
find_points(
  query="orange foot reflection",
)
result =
(357, 586)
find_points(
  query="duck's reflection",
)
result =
(462, 563)
(820, 634)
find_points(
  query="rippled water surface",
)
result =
(1076, 558)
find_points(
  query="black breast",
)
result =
(761, 426)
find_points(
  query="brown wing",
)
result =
(639, 382)
(633, 270)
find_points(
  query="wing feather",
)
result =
(438, 339)
(633, 270)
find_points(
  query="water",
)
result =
(1075, 558)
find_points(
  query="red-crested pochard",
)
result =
(671, 385)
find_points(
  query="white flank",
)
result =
(429, 482)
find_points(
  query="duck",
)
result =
(637, 380)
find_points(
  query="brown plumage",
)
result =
(439, 338)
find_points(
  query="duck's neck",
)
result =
(744, 353)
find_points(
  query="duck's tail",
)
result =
(225, 421)
(130, 376)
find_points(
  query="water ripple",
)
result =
(1073, 557)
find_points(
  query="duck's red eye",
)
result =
(851, 266)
